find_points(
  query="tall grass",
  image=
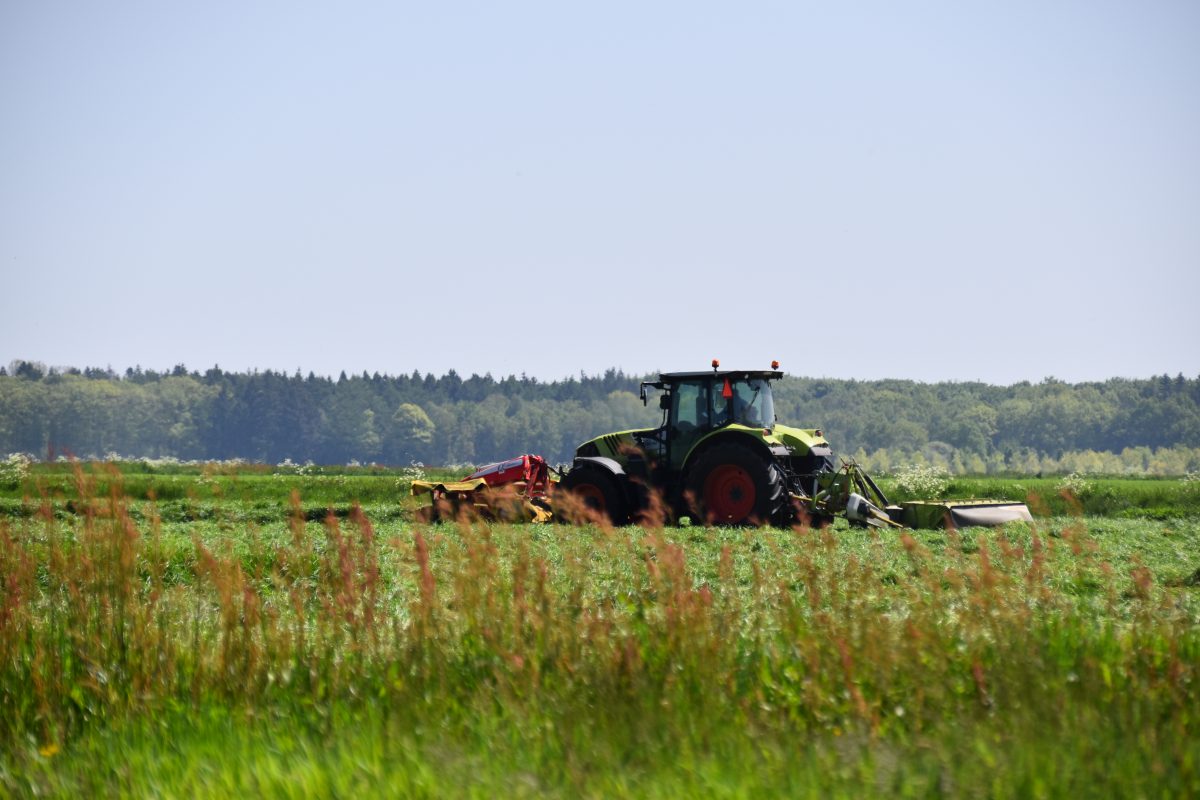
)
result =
(468, 657)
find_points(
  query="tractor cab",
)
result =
(697, 403)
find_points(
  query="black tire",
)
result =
(732, 485)
(598, 491)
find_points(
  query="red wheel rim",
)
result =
(591, 495)
(729, 494)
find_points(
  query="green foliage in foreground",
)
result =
(363, 653)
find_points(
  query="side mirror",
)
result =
(664, 401)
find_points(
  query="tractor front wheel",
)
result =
(732, 485)
(597, 492)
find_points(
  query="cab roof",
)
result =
(743, 374)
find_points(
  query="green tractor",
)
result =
(718, 457)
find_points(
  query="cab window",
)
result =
(750, 404)
(689, 406)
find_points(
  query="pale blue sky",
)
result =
(929, 190)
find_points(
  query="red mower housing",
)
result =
(532, 470)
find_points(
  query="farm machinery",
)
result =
(718, 457)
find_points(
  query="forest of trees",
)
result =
(270, 416)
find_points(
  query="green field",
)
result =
(251, 633)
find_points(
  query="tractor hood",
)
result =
(613, 445)
(801, 440)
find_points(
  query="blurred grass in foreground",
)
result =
(339, 656)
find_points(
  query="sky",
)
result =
(925, 190)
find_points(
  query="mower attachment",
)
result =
(513, 490)
(959, 513)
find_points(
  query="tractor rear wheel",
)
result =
(597, 491)
(732, 485)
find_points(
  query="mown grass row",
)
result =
(336, 656)
(260, 494)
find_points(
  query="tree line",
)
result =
(271, 416)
